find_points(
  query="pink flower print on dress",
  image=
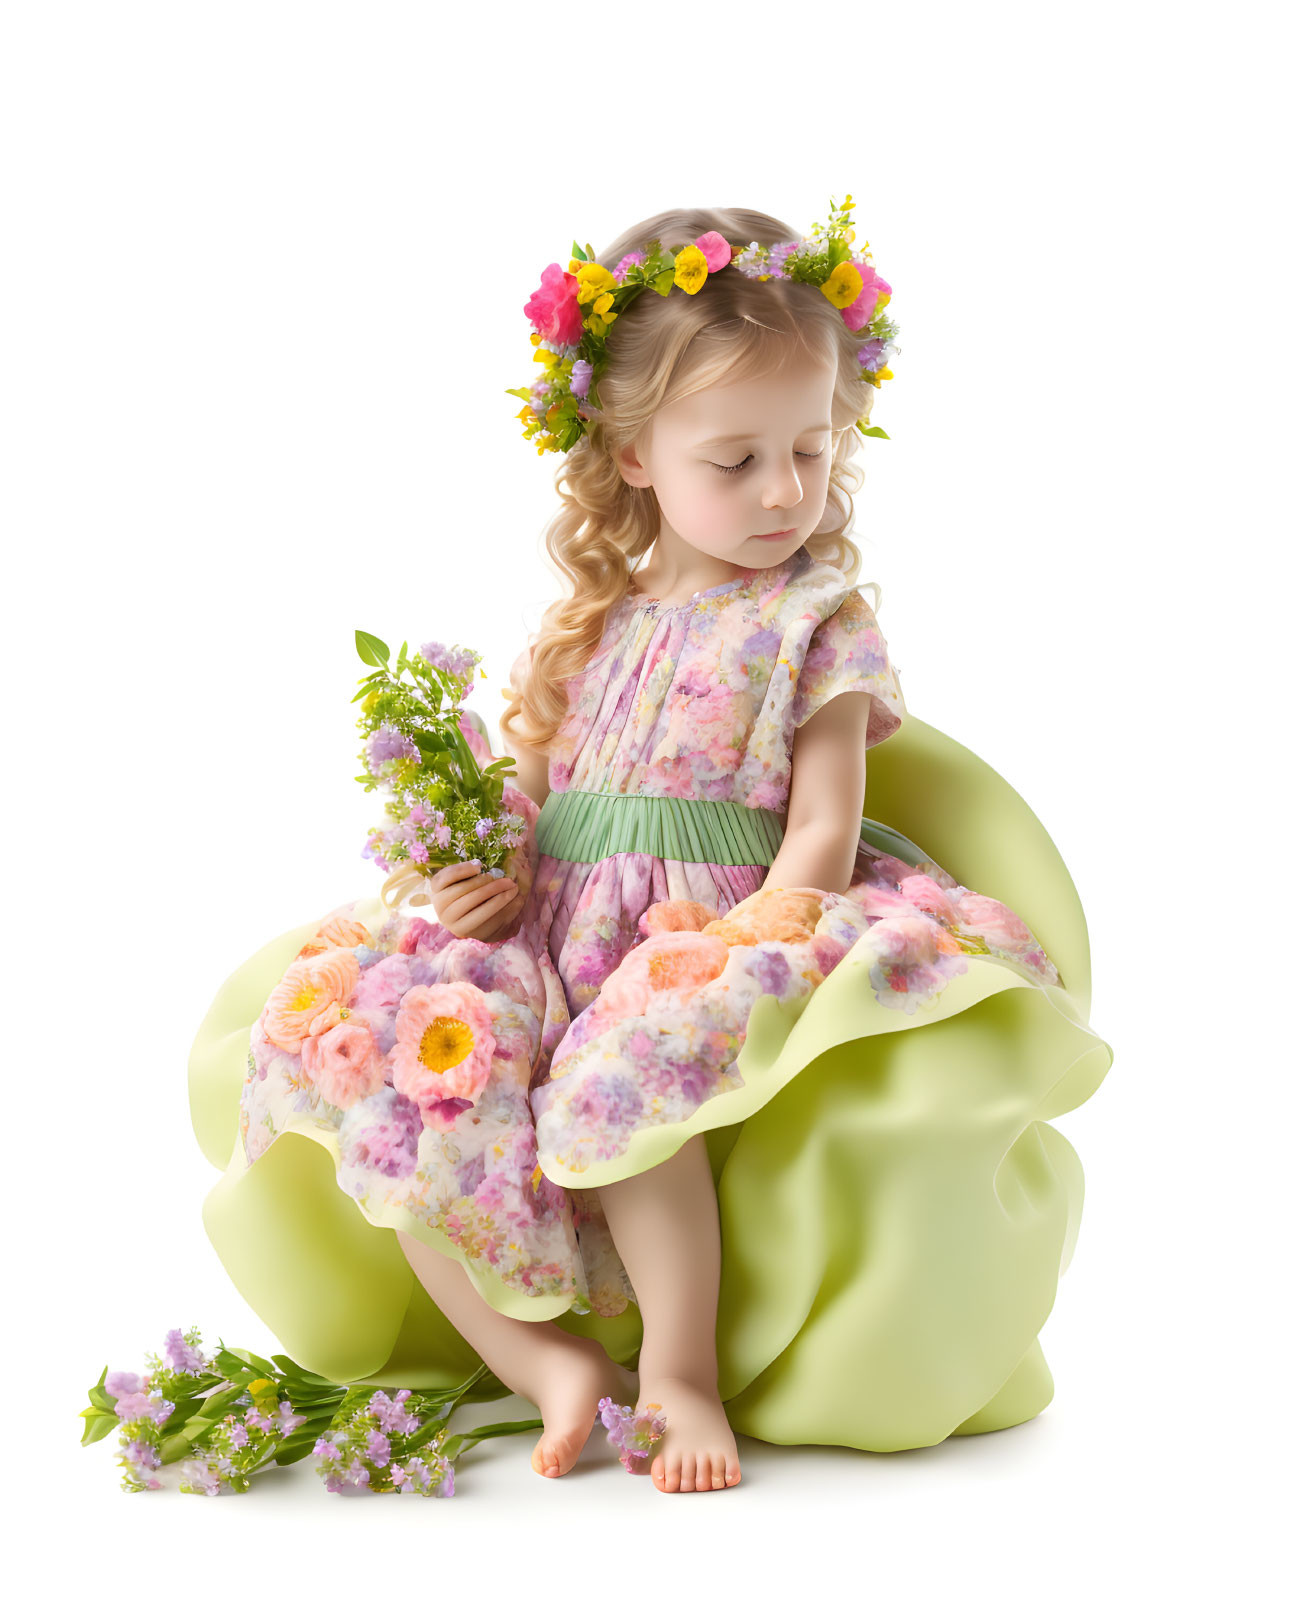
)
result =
(345, 1064)
(915, 959)
(927, 895)
(443, 1051)
(310, 997)
(997, 925)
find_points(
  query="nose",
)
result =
(782, 487)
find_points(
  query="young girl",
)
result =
(715, 1003)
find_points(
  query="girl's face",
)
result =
(774, 432)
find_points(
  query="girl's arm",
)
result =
(532, 768)
(826, 798)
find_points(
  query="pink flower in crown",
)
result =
(619, 274)
(443, 1051)
(552, 308)
(860, 313)
(715, 250)
(345, 1064)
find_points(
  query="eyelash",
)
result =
(739, 465)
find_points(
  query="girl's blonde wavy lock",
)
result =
(660, 350)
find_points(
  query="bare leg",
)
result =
(666, 1227)
(563, 1375)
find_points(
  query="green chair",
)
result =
(894, 1221)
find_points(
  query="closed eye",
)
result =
(738, 466)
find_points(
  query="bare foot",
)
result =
(697, 1451)
(570, 1380)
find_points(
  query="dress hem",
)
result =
(774, 1053)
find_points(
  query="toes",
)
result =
(702, 1479)
(547, 1459)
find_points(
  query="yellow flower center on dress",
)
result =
(305, 999)
(445, 1042)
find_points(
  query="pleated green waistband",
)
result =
(583, 826)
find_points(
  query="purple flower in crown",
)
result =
(778, 256)
(387, 743)
(870, 355)
(619, 274)
(582, 371)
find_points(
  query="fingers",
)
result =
(448, 877)
(472, 904)
(498, 894)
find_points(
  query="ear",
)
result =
(630, 467)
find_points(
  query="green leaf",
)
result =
(577, 254)
(98, 1424)
(371, 649)
(874, 433)
(300, 1373)
(246, 1360)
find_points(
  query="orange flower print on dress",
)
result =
(340, 929)
(787, 915)
(310, 998)
(444, 1045)
(664, 962)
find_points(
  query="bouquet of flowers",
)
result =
(445, 806)
(215, 1422)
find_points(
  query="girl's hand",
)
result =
(472, 905)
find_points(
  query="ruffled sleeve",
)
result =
(847, 653)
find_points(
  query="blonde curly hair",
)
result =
(659, 351)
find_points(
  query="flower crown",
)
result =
(572, 311)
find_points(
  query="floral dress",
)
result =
(477, 1094)
(895, 1212)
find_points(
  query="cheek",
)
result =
(701, 503)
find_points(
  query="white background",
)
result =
(265, 270)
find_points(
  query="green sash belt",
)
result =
(582, 826)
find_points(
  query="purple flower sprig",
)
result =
(444, 806)
(633, 1433)
(213, 1423)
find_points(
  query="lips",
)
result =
(776, 535)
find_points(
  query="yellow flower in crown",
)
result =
(572, 311)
